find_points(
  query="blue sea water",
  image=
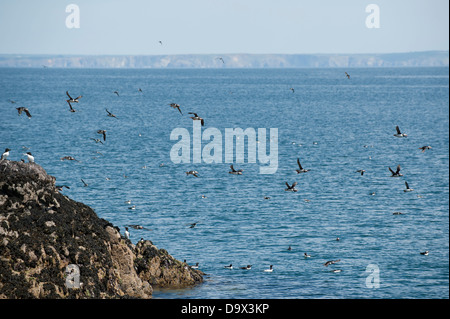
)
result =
(333, 124)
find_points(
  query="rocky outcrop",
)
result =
(54, 247)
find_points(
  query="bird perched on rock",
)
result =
(5, 154)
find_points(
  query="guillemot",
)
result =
(235, 172)
(362, 171)
(331, 262)
(197, 118)
(110, 114)
(348, 75)
(103, 132)
(248, 267)
(407, 188)
(194, 266)
(176, 106)
(5, 154)
(195, 173)
(424, 148)
(68, 158)
(291, 188)
(399, 133)
(116, 92)
(72, 100)
(229, 267)
(301, 169)
(306, 255)
(425, 253)
(396, 173)
(270, 269)
(30, 157)
(127, 233)
(23, 109)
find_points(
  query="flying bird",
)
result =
(301, 169)
(71, 108)
(68, 158)
(396, 173)
(84, 183)
(176, 106)
(235, 172)
(348, 75)
(110, 114)
(292, 89)
(116, 92)
(72, 100)
(331, 262)
(193, 225)
(23, 109)
(97, 140)
(424, 148)
(103, 132)
(407, 188)
(197, 118)
(362, 171)
(291, 188)
(399, 133)
(221, 59)
(195, 173)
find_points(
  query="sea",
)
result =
(335, 125)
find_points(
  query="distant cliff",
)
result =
(411, 59)
(53, 247)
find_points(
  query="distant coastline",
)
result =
(239, 60)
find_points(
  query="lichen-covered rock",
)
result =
(43, 233)
(160, 269)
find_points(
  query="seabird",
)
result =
(116, 92)
(291, 188)
(397, 213)
(110, 114)
(195, 173)
(348, 75)
(176, 106)
(127, 233)
(229, 267)
(336, 270)
(138, 227)
(103, 132)
(292, 89)
(23, 109)
(97, 140)
(194, 266)
(306, 255)
(235, 172)
(424, 148)
(72, 100)
(361, 171)
(399, 133)
(248, 267)
(425, 253)
(132, 207)
(60, 187)
(407, 188)
(5, 154)
(270, 269)
(197, 118)
(71, 108)
(301, 169)
(140, 90)
(331, 262)
(193, 225)
(84, 183)
(221, 59)
(30, 157)
(289, 248)
(160, 42)
(69, 158)
(396, 173)
(266, 197)
(12, 101)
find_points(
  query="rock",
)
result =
(45, 238)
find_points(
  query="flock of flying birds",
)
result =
(196, 117)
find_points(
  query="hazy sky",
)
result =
(222, 26)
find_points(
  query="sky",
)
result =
(135, 27)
